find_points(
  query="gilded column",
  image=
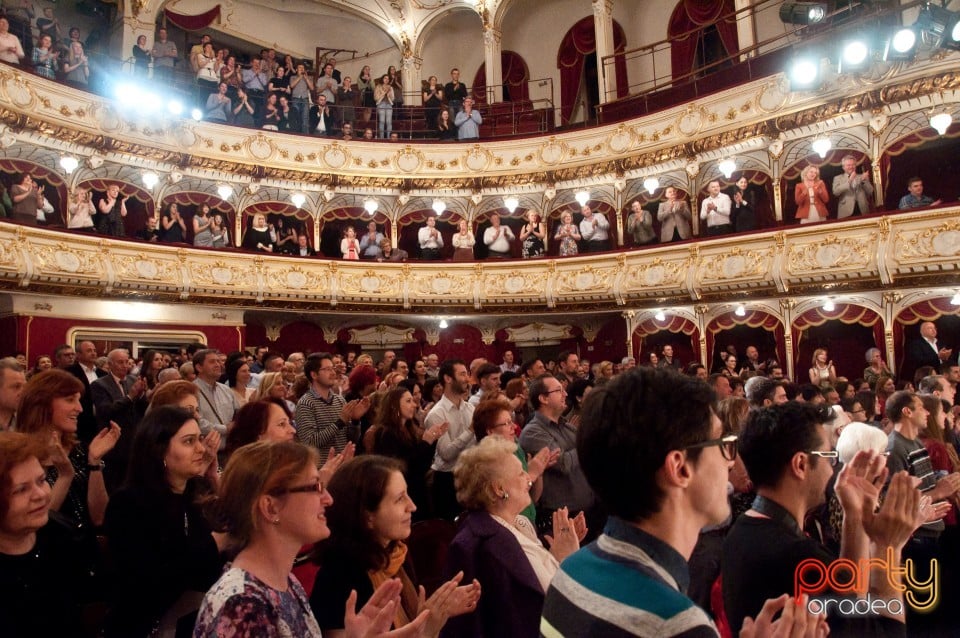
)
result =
(628, 316)
(603, 28)
(492, 63)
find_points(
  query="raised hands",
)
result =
(899, 515)
(335, 461)
(565, 539)
(795, 621)
(102, 443)
(539, 462)
(433, 434)
(449, 600)
(376, 617)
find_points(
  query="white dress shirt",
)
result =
(721, 215)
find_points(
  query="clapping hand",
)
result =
(564, 540)
(796, 621)
(211, 444)
(539, 462)
(335, 461)
(102, 443)
(376, 617)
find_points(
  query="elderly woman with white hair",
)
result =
(876, 366)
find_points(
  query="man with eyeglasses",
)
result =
(564, 484)
(661, 483)
(787, 454)
(324, 419)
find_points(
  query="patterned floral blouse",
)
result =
(240, 604)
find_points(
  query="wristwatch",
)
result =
(96, 467)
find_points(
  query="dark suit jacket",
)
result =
(330, 120)
(112, 404)
(512, 600)
(86, 423)
(920, 353)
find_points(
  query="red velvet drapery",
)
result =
(688, 19)
(753, 319)
(515, 76)
(845, 348)
(140, 205)
(926, 154)
(409, 225)
(195, 22)
(189, 202)
(54, 188)
(758, 181)
(651, 335)
(580, 41)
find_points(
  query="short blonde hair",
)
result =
(267, 381)
(477, 468)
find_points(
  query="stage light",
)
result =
(175, 107)
(511, 204)
(660, 316)
(224, 191)
(956, 299)
(127, 95)
(902, 45)
(941, 122)
(822, 146)
(150, 180)
(370, 205)
(69, 163)
(829, 306)
(439, 206)
(803, 12)
(740, 311)
(854, 55)
(298, 199)
(582, 197)
(196, 114)
(727, 167)
(942, 26)
(651, 184)
(804, 73)
(443, 324)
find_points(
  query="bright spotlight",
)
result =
(439, 206)
(822, 146)
(651, 184)
(443, 324)
(941, 122)
(804, 73)
(511, 204)
(371, 206)
(150, 179)
(854, 55)
(902, 46)
(151, 102)
(298, 199)
(829, 306)
(727, 167)
(660, 316)
(582, 197)
(69, 163)
(127, 94)
(175, 107)
(955, 300)
(224, 191)
(196, 114)
(803, 12)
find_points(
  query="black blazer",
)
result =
(86, 422)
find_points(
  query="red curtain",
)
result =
(905, 325)
(753, 319)
(189, 202)
(686, 23)
(53, 186)
(409, 225)
(553, 221)
(924, 153)
(580, 41)
(193, 23)
(515, 76)
(763, 184)
(140, 206)
(846, 350)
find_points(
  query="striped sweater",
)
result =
(627, 583)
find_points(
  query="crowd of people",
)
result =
(253, 493)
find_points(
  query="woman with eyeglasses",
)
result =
(272, 502)
(165, 551)
(497, 544)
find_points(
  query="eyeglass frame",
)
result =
(722, 443)
(832, 456)
(319, 487)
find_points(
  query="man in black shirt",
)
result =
(786, 451)
(455, 92)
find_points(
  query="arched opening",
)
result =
(140, 205)
(334, 223)
(700, 41)
(906, 333)
(279, 216)
(50, 183)
(679, 333)
(759, 189)
(410, 224)
(515, 77)
(578, 77)
(925, 154)
(189, 203)
(830, 167)
(846, 332)
(755, 328)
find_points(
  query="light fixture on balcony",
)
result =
(439, 206)
(298, 199)
(582, 197)
(854, 54)
(902, 45)
(224, 191)
(652, 183)
(69, 163)
(660, 316)
(196, 114)
(511, 204)
(727, 167)
(822, 146)
(175, 107)
(829, 306)
(803, 12)
(740, 311)
(443, 324)
(941, 122)
(370, 205)
(955, 300)
(804, 74)
(150, 180)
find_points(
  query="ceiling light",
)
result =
(829, 306)
(941, 122)
(150, 179)
(69, 163)
(740, 311)
(298, 199)
(196, 114)
(443, 324)
(511, 204)
(727, 167)
(652, 183)
(439, 206)
(660, 316)
(175, 107)
(822, 146)
(804, 73)
(803, 12)
(955, 300)
(370, 205)
(902, 46)
(582, 197)
(224, 191)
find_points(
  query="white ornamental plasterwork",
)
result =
(382, 336)
(298, 278)
(146, 269)
(336, 156)
(514, 283)
(538, 334)
(441, 285)
(830, 254)
(585, 281)
(81, 261)
(223, 275)
(735, 264)
(370, 283)
(935, 243)
(658, 273)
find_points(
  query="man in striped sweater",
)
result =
(652, 449)
(324, 419)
